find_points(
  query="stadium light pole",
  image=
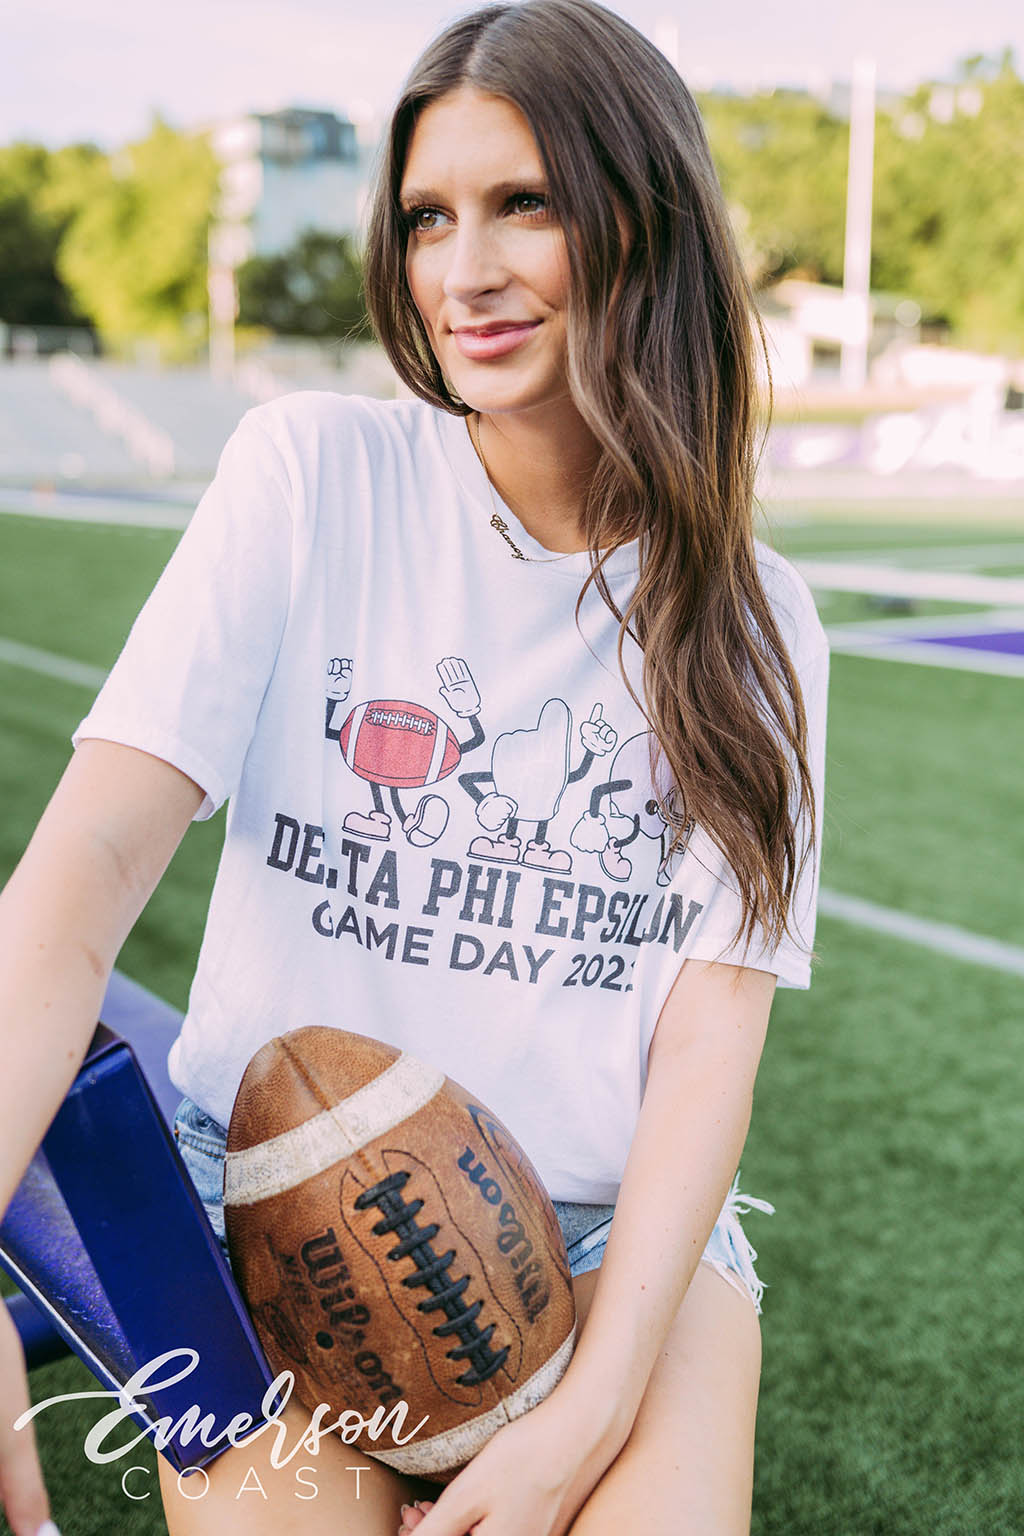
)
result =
(853, 366)
(226, 248)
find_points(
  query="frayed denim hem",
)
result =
(730, 1252)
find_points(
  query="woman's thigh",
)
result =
(312, 1495)
(689, 1460)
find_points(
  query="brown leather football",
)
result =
(393, 1242)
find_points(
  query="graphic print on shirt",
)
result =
(465, 908)
(529, 774)
(396, 744)
(632, 810)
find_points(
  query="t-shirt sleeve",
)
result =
(715, 939)
(190, 680)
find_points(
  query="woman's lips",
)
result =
(493, 344)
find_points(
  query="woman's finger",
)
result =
(412, 1514)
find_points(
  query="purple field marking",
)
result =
(1010, 641)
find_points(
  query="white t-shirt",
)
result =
(438, 832)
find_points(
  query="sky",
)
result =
(99, 71)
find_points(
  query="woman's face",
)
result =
(483, 249)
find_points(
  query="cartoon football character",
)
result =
(632, 809)
(529, 774)
(397, 744)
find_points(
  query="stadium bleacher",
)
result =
(57, 417)
(43, 435)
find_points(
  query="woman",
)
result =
(454, 824)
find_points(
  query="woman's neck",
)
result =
(541, 470)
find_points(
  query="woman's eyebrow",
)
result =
(499, 189)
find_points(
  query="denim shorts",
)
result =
(202, 1143)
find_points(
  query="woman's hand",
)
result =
(531, 1479)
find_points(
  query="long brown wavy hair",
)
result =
(662, 368)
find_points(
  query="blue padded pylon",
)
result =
(109, 1240)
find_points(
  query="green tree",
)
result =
(313, 289)
(37, 202)
(781, 158)
(948, 225)
(135, 253)
(949, 221)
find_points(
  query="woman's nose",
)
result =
(474, 261)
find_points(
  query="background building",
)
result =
(283, 172)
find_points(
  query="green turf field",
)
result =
(888, 1117)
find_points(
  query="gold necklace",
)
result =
(497, 521)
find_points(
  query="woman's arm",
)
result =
(100, 848)
(687, 1144)
(101, 845)
(536, 1473)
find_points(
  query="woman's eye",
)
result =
(531, 197)
(412, 216)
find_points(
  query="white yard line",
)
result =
(899, 638)
(913, 626)
(943, 938)
(878, 647)
(893, 581)
(932, 556)
(96, 509)
(61, 667)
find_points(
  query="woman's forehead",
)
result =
(468, 133)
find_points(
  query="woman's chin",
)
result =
(491, 395)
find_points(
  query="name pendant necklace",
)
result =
(497, 521)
